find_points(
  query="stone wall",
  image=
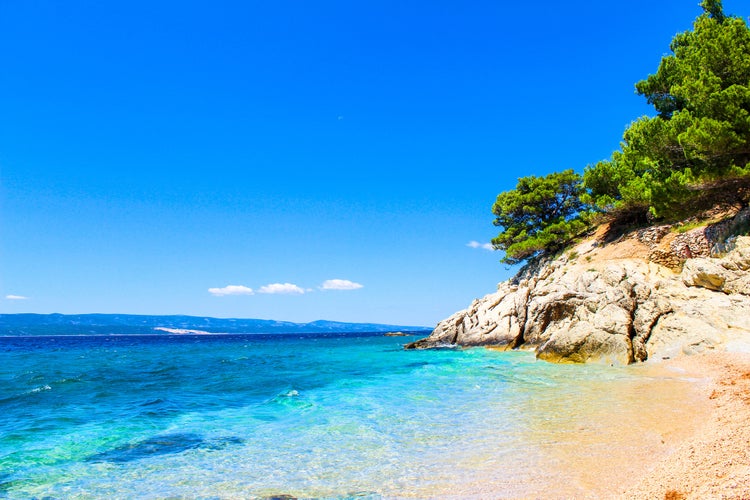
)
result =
(670, 249)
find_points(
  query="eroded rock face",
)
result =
(728, 275)
(622, 310)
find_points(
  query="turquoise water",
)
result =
(340, 416)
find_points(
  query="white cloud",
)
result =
(476, 244)
(16, 297)
(231, 290)
(282, 288)
(339, 285)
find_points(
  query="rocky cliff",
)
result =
(656, 294)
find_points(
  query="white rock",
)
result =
(622, 311)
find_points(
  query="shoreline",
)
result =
(714, 461)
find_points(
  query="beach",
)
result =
(714, 461)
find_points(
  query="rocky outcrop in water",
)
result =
(581, 307)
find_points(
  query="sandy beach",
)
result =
(714, 461)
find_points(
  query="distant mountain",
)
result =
(131, 324)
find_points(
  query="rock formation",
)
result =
(614, 302)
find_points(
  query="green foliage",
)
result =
(688, 226)
(702, 132)
(695, 150)
(541, 215)
(714, 9)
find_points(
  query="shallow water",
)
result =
(335, 416)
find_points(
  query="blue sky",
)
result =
(154, 153)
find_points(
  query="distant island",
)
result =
(132, 324)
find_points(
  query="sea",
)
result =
(322, 416)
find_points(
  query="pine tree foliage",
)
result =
(701, 135)
(696, 147)
(542, 214)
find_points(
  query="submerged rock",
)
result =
(579, 308)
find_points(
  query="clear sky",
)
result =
(154, 153)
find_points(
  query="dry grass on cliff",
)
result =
(596, 249)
